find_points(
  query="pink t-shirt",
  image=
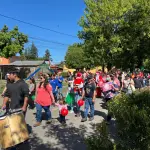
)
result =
(107, 87)
(60, 107)
(43, 96)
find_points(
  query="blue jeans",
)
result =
(60, 91)
(39, 112)
(88, 103)
(77, 98)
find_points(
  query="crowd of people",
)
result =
(82, 85)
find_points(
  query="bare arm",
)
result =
(25, 91)
(132, 82)
(4, 90)
(25, 104)
(94, 96)
(6, 99)
(52, 97)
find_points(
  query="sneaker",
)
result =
(37, 124)
(91, 118)
(84, 119)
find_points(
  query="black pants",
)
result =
(62, 118)
(31, 102)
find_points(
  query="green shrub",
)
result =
(132, 114)
(99, 140)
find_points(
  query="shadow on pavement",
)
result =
(65, 138)
(70, 137)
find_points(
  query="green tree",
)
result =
(116, 32)
(33, 52)
(11, 41)
(75, 57)
(27, 53)
(48, 55)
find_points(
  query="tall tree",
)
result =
(75, 57)
(27, 53)
(33, 53)
(48, 55)
(116, 32)
(11, 41)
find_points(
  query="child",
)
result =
(61, 105)
(70, 96)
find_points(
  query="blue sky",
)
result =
(59, 15)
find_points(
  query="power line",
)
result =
(47, 46)
(44, 40)
(37, 26)
(58, 48)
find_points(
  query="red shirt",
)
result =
(101, 82)
(43, 96)
(78, 81)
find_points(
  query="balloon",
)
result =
(64, 112)
(33, 97)
(80, 102)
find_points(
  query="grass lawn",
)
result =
(2, 85)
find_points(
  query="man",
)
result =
(54, 83)
(18, 93)
(137, 82)
(89, 94)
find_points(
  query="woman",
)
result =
(32, 88)
(107, 88)
(44, 99)
(128, 85)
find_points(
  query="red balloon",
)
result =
(64, 112)
(80, 102)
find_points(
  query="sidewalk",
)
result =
(57, 137)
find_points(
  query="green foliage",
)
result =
(75, 57)
(11, 42)
(27, 54)
(99, 140)
(116, 32)
(147, 64)
(48, 55)
(132, 117)
(31, 53)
